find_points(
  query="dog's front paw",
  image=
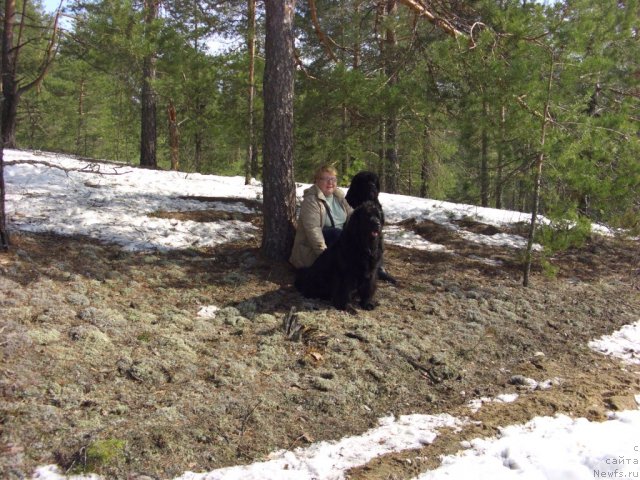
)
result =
(347, 307)
(351, 310)
(386, 276)
(369, 305)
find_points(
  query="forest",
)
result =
(455, 100)
(166, 362)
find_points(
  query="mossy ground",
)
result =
(102, 347)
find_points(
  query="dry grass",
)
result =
(106, 365)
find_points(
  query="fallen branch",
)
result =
(247, 417)
(89, 168)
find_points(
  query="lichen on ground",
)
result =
(104, 353)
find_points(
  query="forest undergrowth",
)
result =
(111, 363)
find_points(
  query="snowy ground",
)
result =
(112, 203)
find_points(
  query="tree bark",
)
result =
(425, 164)
(9, 83)
(174, 136)
(250, 167)
(501, 147)
(484, 158)
(197, 151)
(9, 104)
(4, 232)
(81, 124)
(391, 153)
(382, 146)
(278, 181)
(148, 128)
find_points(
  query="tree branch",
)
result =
(47, 60)
(319, 33)
(89, 168)
(441, 23)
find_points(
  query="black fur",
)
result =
(350, 266)
(364, 187)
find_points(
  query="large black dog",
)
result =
(349, 266)
(365, 187)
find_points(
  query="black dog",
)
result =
(350, 265)
(365, 187)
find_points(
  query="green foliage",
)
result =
(565, 232)
(549, 269)
(569, 231)
(467, 111)
(100, 454)
(628, 220)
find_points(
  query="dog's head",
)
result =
(364, 186)
(366, 222)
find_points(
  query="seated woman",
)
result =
(323, 213)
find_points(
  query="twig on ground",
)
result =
(89, 168)
(247, 417)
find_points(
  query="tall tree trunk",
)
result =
(484, 158)
(251, 48)
(382, 146)
(501, 147)
(197, 151)
(391, 153)
(279, 205)
(538, 176)
(174, 136)
(148, 129)
(4, 232)
(357, 49)
(10, 92)
(425, 165)
(344, 133)
(80, 130)
(7, 127)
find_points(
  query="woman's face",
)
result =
(327, 183)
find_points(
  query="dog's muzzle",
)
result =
(376, 227)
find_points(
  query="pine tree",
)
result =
(13, 74)
(148, 131)
(279, 187)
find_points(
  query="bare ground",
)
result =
(107, 367)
